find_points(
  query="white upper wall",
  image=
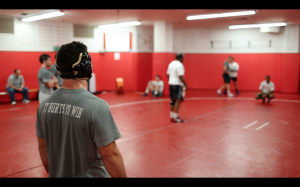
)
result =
(44, 35)
(242, 40)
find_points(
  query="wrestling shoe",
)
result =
(144, 95)
(177, 120)
(225, 92)
(219, 92)
(268, 101)
(263, 101)
(237, 92)
(26, 101)
(13, 103)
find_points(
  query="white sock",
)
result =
(175, 115)
(147, 91)
(172, 114)
(155, 92)
(228, 92)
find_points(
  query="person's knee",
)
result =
(172, 103)
(25, 89)
(10, 90)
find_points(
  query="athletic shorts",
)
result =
(43, 96)
(158, 94)
(175, 91)
(259, 95)
(227, 78)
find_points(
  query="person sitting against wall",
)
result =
(155, 86)
(266, 90)
(15, 83)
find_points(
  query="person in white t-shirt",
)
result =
(156, 87)
(175, 74)
(229, 74)
(266, 90)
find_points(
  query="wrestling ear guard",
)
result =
(82, 69)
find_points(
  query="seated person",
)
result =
(266, 90)
(15, 83)
(155, 86)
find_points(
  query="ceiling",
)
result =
(95, 17)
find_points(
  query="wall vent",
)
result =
(6, 25)
(83, 31)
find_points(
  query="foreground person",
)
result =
(75, 130)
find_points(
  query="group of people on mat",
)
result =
(178, 86)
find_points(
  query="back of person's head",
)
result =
(68, 54)
(44, 57)
(268, 77)
(179, 56)
(15, 71)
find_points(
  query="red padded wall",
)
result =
(203, 71)
(290, 73)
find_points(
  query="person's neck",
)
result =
(74, 84)
(44, 66)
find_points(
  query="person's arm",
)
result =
(183, 81)
(52, 83)
(225, 69)
(12, 86)
(113, 160)
(43, 152)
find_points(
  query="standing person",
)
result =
(233, 68)
(55, 73)
(226, 77)
(45, 78)
(15, 83)
(175, 74)
(75, 129)
(266, 88)
(156, 87)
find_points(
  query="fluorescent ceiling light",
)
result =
(43, 16)
(256, 25)
(221, 15)
(125, 24)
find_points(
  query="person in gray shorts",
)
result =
(45, 78)
(75, 129)
(53, 70)
(15, 84)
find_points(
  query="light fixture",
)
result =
(125, 24)
(43, 16)
(220, 15)
(257, 25)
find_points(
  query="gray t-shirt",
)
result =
(17, 82)
(75, 123)
(44, 75)
(55, 73)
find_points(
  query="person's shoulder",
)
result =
(11, 76)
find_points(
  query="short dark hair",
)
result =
(268, 76)
(178, 56)
(44, 57)
(158, 76)
(68, 54)
(15, 71)
(231, 57)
